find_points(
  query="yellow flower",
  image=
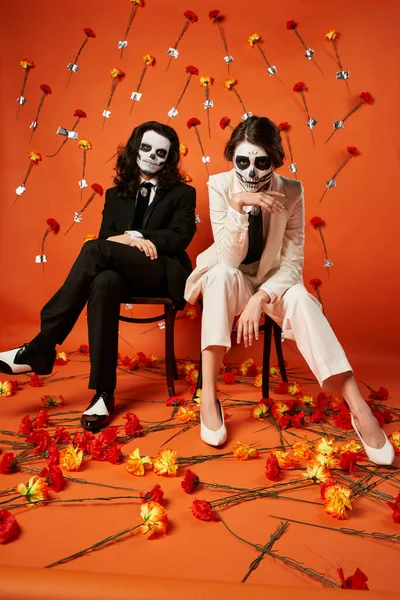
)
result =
(71, 458)
(49, 401)
(244, 452)
(136, 463)
(302, 450)
(337, 500)
(27, 64)
(258, 380)
(186, 178)
(191, 313)
(183, 149)
(253, 39)
(185, 414)
(308, 400)
(331, 34)
(155, 519)
(259, 411)
(329, 461)
(351, 446)
(284, 458)
(186, 367)
(6, 389)
(274, 372)
(294, 388)
(85, 145)
(324, 446)
(148, 59)
(243, 367)
(35, 156)
(197, 396)
(115, 72)
(138, 2)
(317, 472)
(206, 80)
(165, 463)
(395, 439)
(36, 492)
(192, 376)
(62, 356)
(89, 236)
(229, 83)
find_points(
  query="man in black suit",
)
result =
(148, 222)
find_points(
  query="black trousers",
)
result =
(102, 276)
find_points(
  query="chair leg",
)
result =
(169, 348)
(279, 352)
(266, 355)
(173, 346)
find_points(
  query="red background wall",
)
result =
(362, 214)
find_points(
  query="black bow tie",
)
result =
(142, 202)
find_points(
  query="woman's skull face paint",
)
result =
(253, 167)
(153, 152)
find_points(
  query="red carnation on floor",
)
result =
(114, 454)
(8, 463)
(230, 378)
(342, 419)
(190, 481)
(348, 461)
(380, 395)
(9, 528)
(357, 581)
(41, 440)
(156, 494)
(83, 349)
(61, 435)
(82, 440)
(25, 427)
(54, 477)
(203, 510)
(132, 425)
(272, 468)
(282, 388)
(175, 401)
(108, 435)
(41, 419)
(395, 506)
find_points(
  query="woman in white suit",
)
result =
(255, 264)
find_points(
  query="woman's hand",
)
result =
(249, 320)
(268, 201)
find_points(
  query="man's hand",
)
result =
(145, 246)
(249, 320)
(125, 238)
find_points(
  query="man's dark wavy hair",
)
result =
(127, 178)
(261, 132)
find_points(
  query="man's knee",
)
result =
(107, 282)
(93, 247)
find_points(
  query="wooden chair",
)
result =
(169, 317)
(267, 327)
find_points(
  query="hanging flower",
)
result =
(318, 223)
(122, 44)
(46, 91)
(224, 123)
(203, 510)
(54, 227)
(73, 67)
(9, 527)
(136, 463)
(149, 61)
(186, 178)
(205, 82)
(316, 284)
(352, 152)
(155, 520)
(309, 53)
(34, 159)
(190, 481)
(254, 40)
(35, 492)
(183, 149)
(244, 451)
(85, 146)
(357, 581)
(194, 122)
(230, 84)
(173, 51)
(363, 98)
(300, 87)
(79, 114)
(285, 127)
(116, 75)
(331, 35)
(190, 70)
(217, 18)
(97, 189)
(27, 64)
(71, 458)
(165, 464)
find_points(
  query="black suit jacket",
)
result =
(169, 222)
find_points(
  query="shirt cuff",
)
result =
(270, 293)
(240, 219)
(134, 234)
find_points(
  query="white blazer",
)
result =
(281, 263)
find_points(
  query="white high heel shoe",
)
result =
(214, 438)
(379, 456)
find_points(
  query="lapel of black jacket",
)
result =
(160, 193)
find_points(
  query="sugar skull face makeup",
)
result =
(153, 152)
(253, 167)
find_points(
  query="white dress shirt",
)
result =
(137, 234)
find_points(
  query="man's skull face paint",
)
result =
(253, 167)
(153, 152)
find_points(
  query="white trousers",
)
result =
(226, 292)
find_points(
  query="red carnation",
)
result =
(193, 122)
(213, 14)
(82, 440)
(40, 439)
(272, 468)
(380, 395)
(190, 481)
(41, 419)
(224, 122)
(8, 463)
(54, 477)
(45, 88)
(114, 454)
(83, 349)
(191, 16)
(108, 435)
(352, 150)
(203, 510)
(229, 378)
(357, 581)
(192, 70)
(395, 506)
(315, 283)
(53, 225)
(9, 528)
(132, 425)
(367, 97)
(35, 381)
(291, 25)
(282, 388)
(348, 461)
(300, 86)
(284, 126)
(175, 401)
(317, 222)
(25, 427)
(97, 188)
(61, 436)
(80, 114)
(89, 32)
(156, 494)
(97, 449)
(342, 419)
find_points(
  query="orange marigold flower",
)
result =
(186, 178)
(35, 492)
(165, 463)
(183, 150)
(197, 396)
(136, 463)
(6, 389)
(307, 400)
(71, 458)
(192, 376)
(259, 411)
(244, 452)
(253, 39)
(61, 359)
(328, 460)
(285, 459)
(148, 59)
(229, 83)
(115, 72)
(317, 472)
(258, 381)
(206, 80)
(295, 389)
(274, 372)
(89, 237)
(395, 440)
(185, 415)
(35, 156)
(84, 145)
(337, 501)
(191, 312)
(351, 446)
(325, 446)
(26, 63)
(331, 34)
(155, 520)
(49, 401)
(302, 450)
